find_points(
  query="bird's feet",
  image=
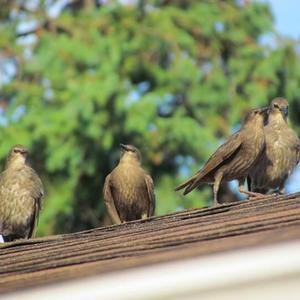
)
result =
(251, 194)
(254, 194)
(144, 216)
(216, 203)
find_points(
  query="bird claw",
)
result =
(216, 204)
(253, 194)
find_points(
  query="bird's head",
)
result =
(279, 107)
(130, 153)
(256, 116)
(17, 155)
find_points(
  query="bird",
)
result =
(233, 159)
(282, 152)
(128, 190)
(21, 196)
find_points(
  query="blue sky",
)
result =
(286, 13)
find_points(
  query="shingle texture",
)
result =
(176, 236)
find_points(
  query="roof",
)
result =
(189, 234)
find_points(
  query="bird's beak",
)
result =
(124, 146)
(23, 152)
(285, 111)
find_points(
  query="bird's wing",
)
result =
(297, 147)
(35, 217)
(298, 152)
(109, 201)
(294, 142)
(37, 195)
(1, 184)
(224, 152)
(151, 195)
(2, 202)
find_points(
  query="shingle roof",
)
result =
(191, 233)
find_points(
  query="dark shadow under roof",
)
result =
(187, 234)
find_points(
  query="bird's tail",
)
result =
(189, 184)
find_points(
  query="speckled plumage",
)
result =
(234, 158)
(128, 189)
(281, 154)
(21, 192)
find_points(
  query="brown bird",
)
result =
(281, 154)
(234, 158)
(128, 189)
(21, 193)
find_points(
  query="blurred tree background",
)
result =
(173, 78)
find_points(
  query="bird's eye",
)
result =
(16, 151)
(276, 105)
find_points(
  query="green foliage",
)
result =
(171, 77)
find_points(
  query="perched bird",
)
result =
(21, 193)
(128, 189)
(282, 151)
(233, 159)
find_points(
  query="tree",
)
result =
(171, 77)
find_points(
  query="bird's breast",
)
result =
(128, 182)
(281, 158)
(17, 194)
